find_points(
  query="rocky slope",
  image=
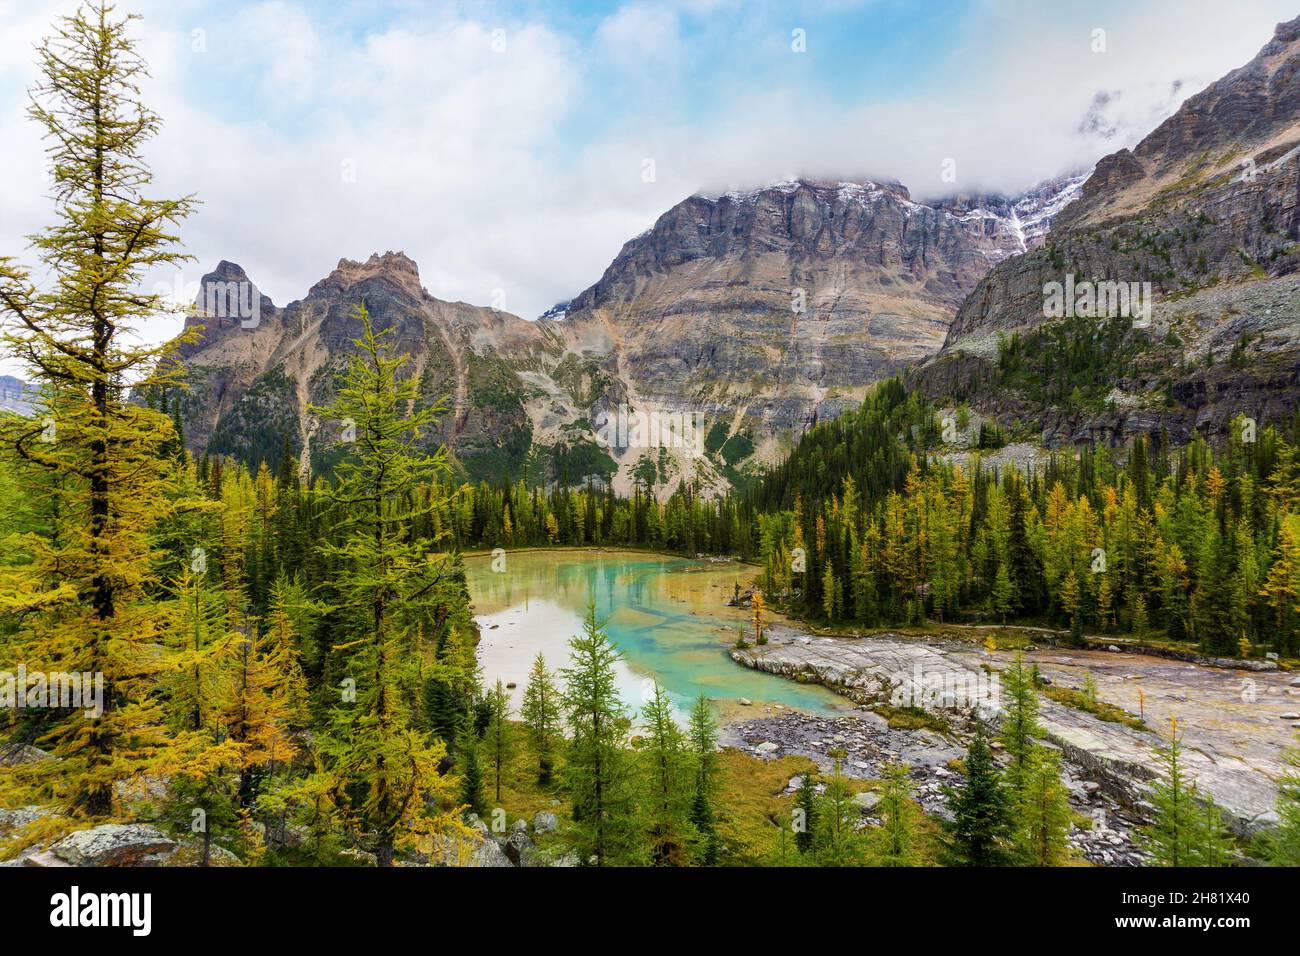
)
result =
(772, 307)
(757, 312)
(253, 379)
(1214, 235)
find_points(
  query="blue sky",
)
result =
(504, 146)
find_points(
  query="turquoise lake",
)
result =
(668, 617)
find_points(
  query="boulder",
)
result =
(11, 755)
(20, 817)
(867, 801)
(545, 822)
(517, 844)
(190, 853)
(470, 852)
(115, 844)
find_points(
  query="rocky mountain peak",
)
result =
(1245, 120)
(396, 268)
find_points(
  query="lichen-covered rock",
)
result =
(11, 755)
(115, 844)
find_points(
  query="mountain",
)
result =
(16, 395)
(1204, 214)
(760, 311)
(251, 380)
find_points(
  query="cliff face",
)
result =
(758, 312)
(1218, 249)
(252, 381)
(773, 307)
(1251, 117)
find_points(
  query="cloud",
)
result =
(639, 33)
(508, 152)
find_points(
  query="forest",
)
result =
(289, 663)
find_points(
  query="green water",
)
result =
(667, 615)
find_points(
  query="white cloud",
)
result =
(506, 169)
(639, 33)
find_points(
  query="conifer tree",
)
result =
(896, 842)
(837, 840)
(542, 715)
(470, 794)
(703, 737)
(1019, 727)
(499, 740)
(83, 598)
(598, 773)
(667, 786)
(1284, 847)
(1043, 809)
(807, 820)
(982, 822)
(386, 586)
(1187, 829)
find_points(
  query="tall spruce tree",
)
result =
(982, 823)
(806, 808)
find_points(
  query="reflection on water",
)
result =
(667, 615)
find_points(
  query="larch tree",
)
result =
(598, 771)
(667, 782)
(1019, 728)
(1187, 829)
(83, 596)
(896, 842)
(542, 716)
(1042, 809)
(499, 739)
(702, 736)
(385, 586)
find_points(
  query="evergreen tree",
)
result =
(598, 772)
(667, 786)
(83, 598)
(807, 819)
(541, 713)
(470, 794)
(982, 822)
